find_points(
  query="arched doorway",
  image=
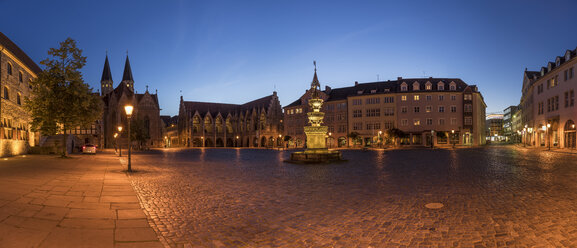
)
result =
(219, 142)
(263, 141)
(208, 143)
(255, 142)
(569, 133)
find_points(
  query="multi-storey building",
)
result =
(548, 103)
(16, 72)
(254, 124)
(509, 130)
(425, 110)
(495, 130)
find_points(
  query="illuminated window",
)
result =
(428, 109)
(416, 97)
(403, 98)
(428, 86)
(416, 122)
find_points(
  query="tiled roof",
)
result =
(127, 75)
(225, 108)
(14, 49)
(389, 87)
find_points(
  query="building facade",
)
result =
(146, 110)
(510, 130)
(427, 111)
(254, 124)
(548, 103)
(17, 70)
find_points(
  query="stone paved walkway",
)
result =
(84, 201)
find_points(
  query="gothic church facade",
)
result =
(146, 109)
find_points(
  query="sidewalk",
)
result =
(545, 149)
(84, 201)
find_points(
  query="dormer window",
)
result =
(549, 66)
(404, 86)
(558, 62)
(440, 86)
(542, 71)
(373, 91)
(416, 86)
(360, 92)
(567, 55)
(453, 86)
(428, 86)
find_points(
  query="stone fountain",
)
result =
(316, 151)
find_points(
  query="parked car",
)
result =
(88, 148)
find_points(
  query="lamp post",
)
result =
(115, 141)
(573, 140)
(128, 109)
(453, 137)
(432, 139)
(119, 146)
(330, 137)
(279, 142)
(380, 138)
(525, 136)
(548, 137)
(236, 141)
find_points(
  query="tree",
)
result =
(60, 99)
(354, 136)
(394, 134)
(139, 132)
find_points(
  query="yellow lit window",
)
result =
(416, 97)
(403, 98)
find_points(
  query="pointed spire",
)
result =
(106, 75)
(127, 76)
(315, 84)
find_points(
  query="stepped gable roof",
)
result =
(106, 75)
(127, 75)
(258, 103)
(14, 49)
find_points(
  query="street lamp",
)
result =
(548, 138)
(115, 141)
(128, 109)
(279, 142)
(453, 137)
(237, 141)
(380, 138)
(119, 146)
(525, 136)
(432, 139)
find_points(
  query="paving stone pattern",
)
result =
(84, 201)
(492, 197)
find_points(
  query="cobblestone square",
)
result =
(490, 196)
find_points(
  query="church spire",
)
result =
(106, 75)
(127, 76)
(106, 80)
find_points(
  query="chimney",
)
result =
(356, 83)
(327, 89)
(399, 78)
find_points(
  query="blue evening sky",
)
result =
(238, 51)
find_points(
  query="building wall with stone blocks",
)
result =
(17, 70)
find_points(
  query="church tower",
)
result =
(106, 81)
(127, 76)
